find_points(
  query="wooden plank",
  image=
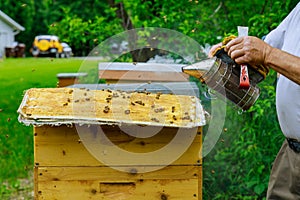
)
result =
(200, 183)
(64, 82)
(62, 146)
(179, 189)
(113, 76)
(35, 180)
(71, 75)
(141, 66)
(200, 171)
(66, 79)
(108, 174)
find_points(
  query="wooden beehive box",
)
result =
(66, 79)
(124, 72)
(103, 144)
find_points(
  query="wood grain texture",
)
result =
(113, 76)
(109, 174)
(102, 183)
(150, 189)
(65, 169)
(62, 146)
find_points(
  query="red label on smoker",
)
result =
(244, 78)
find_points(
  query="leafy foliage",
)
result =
(84, 35)
(242, 160)
(86, 24)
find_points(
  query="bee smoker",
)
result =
(224, 78)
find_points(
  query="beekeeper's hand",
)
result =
(248, 49)
(256, 52)
(213, 49)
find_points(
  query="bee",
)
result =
(140, 102)
(158, 95)
(154, 119)
(106, 109)
(186, 118)
(115, 95)
(173, 109)
(157, 110)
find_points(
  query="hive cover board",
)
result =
(56, 106)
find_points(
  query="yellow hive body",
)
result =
(66, 167)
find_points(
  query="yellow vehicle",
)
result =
(47, 45)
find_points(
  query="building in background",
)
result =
(8, 29)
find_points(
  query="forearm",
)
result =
(284, 63)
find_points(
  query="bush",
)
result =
(240, 164)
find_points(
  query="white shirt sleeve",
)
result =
(276, 37)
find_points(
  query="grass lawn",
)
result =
(16, 140)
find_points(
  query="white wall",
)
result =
(6, 36)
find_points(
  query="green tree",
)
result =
(83, 35)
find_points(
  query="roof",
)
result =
(141, 66)
(11, 22)
(52, 37)
(56, 106)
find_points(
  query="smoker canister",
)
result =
(220, 76)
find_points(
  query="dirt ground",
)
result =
(24, 192)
